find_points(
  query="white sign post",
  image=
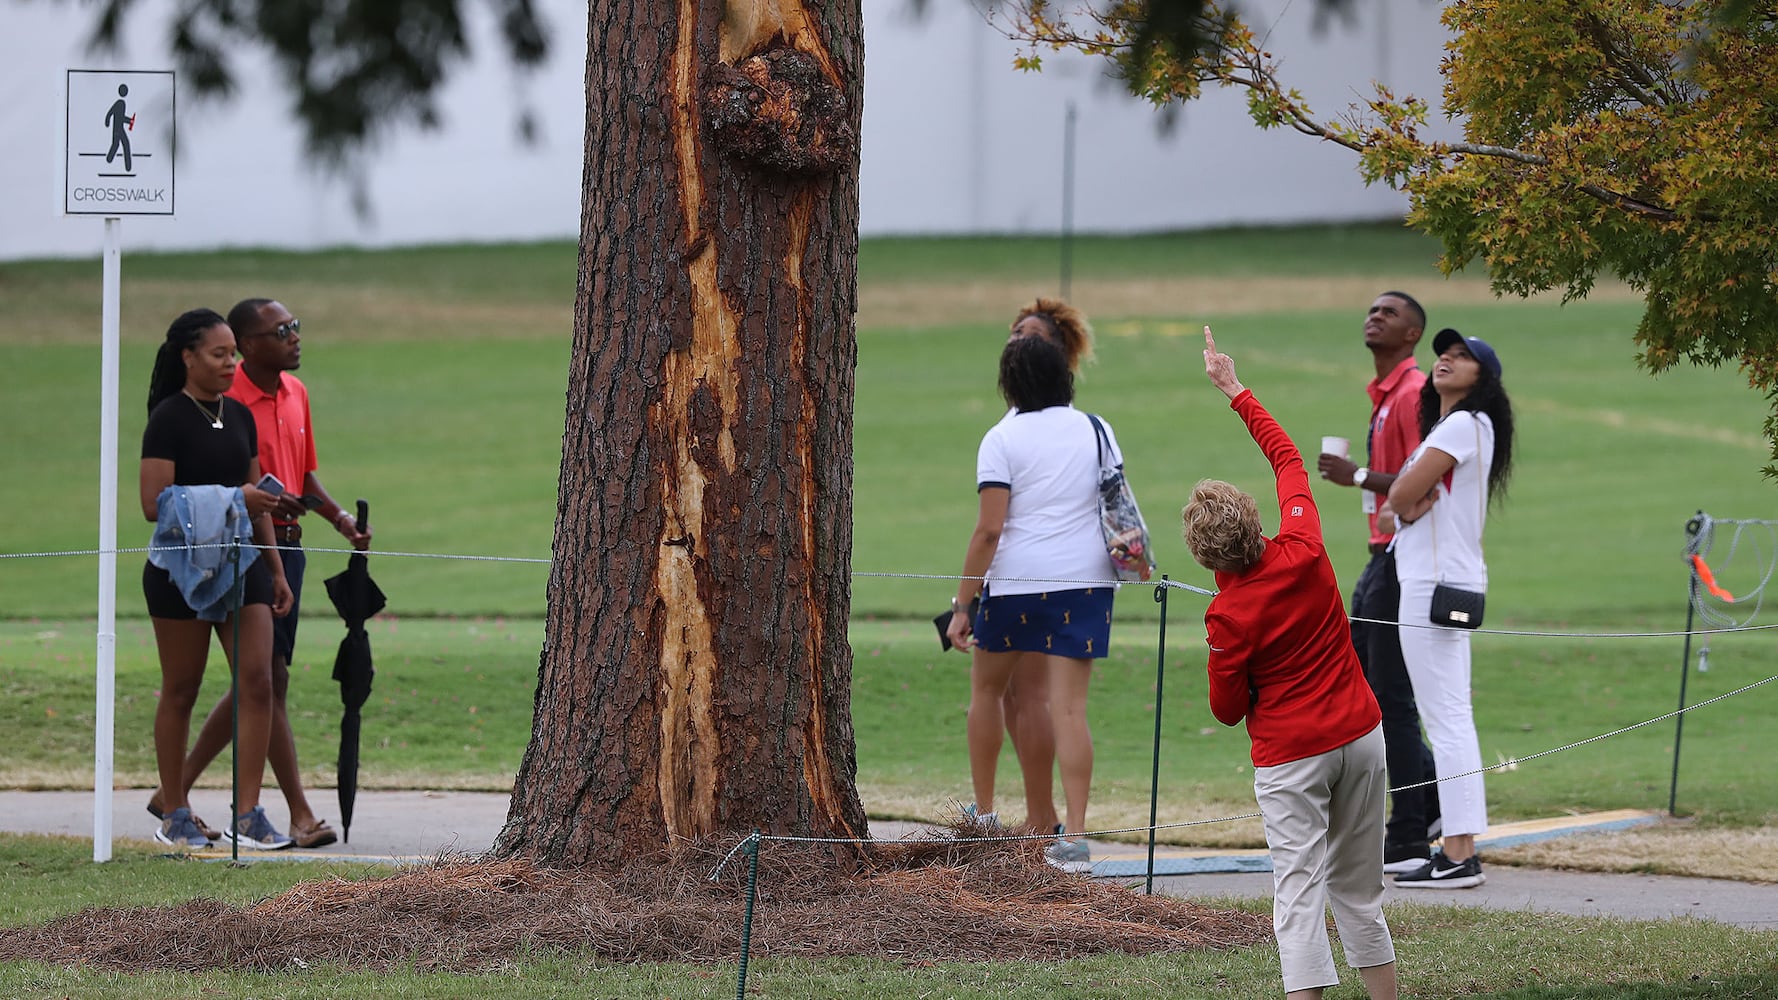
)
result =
(118, 161)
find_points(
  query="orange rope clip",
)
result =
(1709, 580)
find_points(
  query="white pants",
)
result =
(1324, 825)
(1438, 667)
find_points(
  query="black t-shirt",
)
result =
(179, 430)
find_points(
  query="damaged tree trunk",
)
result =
(695, 676)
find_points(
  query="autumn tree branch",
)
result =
(1636, 80)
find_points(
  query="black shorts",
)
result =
(165, 600)
(284, 629)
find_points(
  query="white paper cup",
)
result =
(1336, 446)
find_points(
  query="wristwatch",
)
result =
(1359, 476)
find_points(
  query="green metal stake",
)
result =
(237, 597)
(1692, 543)
(747, 922)
(1154, 781)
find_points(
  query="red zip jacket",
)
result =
(1281, 651)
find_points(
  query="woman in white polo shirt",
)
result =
(1037, 541)
(1027, 699)
(1441, 498)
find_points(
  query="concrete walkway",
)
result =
(413, 826)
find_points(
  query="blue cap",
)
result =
(1478, 348)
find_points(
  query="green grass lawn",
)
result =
(437, 376)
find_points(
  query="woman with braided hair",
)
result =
(199, 468)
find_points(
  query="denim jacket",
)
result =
(192, 543)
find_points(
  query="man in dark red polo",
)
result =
(270, 341)
(1392, 328)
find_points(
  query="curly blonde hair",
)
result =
(1067, 325)
(1222, 527)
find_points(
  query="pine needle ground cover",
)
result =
(923, 919)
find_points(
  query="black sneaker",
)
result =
(1443, 873)
(1402, 858)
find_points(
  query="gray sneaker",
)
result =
(178, 830)
(255, 830)
(1070, 856)
(987, 821)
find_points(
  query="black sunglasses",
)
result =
(283, 331)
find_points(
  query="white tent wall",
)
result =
(954, 141)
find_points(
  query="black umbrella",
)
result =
(357, 598)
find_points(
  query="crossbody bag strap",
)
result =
(1481, 498)
(1099, 440)
(1437, 574)
(1481, 486)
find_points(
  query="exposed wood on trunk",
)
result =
(695, 676)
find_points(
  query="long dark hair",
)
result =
(169, 362)
(1488, 396)
(1034, 374)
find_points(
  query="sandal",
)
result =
(203, 827)
(319, 835)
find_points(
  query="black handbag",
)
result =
(1457, 608)
(1454, 607)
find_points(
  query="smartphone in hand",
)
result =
(269, 483)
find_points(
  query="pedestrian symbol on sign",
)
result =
(122, 124)
(121, 121)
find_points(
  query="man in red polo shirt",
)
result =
(270, 342)
(1392, 328)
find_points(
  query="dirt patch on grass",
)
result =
(923, 304)
(61, 313)
(929, 901)
(1113, 808)
(1674, 847)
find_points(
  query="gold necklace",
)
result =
(214, 418)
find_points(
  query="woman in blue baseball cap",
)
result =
(1441, 500)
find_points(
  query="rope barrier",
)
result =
(311, 550)
(1531, 633)
(1167, 583)
(1152, 827)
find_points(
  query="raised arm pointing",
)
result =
(1221, 368)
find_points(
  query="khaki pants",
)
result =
(1324, 825)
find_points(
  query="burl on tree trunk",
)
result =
(695, 675)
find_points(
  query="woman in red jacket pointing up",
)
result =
(1281, 657)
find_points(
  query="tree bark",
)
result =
(695, 676)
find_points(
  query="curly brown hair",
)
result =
(1222, 527)
(1068, 326)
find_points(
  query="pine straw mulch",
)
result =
(923, 901)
